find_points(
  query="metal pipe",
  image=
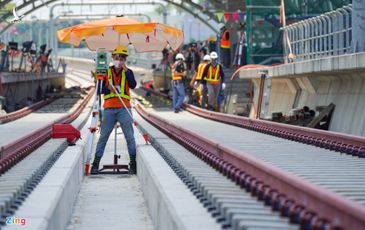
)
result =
(346, 25)
(306, 41)
(107, 4)
(334, 23)
(326, 35)
(77, 16)
(321, 34)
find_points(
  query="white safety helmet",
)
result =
(179, 56)
(213, 55)
(206, 57)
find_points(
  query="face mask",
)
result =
(121, 62)
(116, 63)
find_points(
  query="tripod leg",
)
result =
(92, 128)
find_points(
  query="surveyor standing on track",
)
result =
(213, 77)
(197, 79)
(177, 83)
(114, 111)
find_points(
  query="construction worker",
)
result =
(213, 77)
(225, 46)
(122, 79)
(178, 89)
(197, 83)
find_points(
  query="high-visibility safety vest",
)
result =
(201, 68)
(225, 43)
(124, 89)
(173, 75)
(214, 74)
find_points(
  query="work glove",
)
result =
(223, 86)
(201, 86)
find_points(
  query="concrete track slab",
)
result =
(111, 201)
(12, 131)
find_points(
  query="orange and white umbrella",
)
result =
(110, 33)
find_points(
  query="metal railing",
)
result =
(326, 35)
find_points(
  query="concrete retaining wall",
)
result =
(17, 87)
(339, 80)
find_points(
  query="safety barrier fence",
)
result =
(326, 35)
(24, 111)
(344, 143)
(12, 153)
(303, 202)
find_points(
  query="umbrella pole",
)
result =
(92, 128)
(121, 100)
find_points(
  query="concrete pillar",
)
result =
(358, 26)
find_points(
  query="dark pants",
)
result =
(226, 57)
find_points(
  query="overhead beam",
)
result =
(24, 4)
(3, 3)
(86, 16)
(26, 13)
(200, 8)
(192, 13)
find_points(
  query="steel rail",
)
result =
(15, 151)
(303, 202)
(24, 111)
(344, 143)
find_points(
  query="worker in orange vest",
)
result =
(177, 84)
(213, 77)
(225, 46)
(197, 79)
(123, 79)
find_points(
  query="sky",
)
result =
(193, 27)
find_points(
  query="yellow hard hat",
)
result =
(120, 50)
(211, 39)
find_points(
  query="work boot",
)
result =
(95, 166)
(132, 165)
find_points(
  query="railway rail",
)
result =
(25, 161)
(13, 151)
(24, 111)
(20, 137)
(277, 170)
(344, 143)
